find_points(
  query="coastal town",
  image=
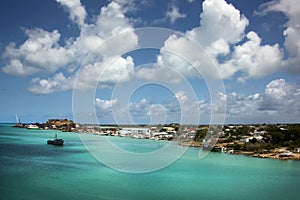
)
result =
(277, 141)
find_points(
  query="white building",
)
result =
(134, 131)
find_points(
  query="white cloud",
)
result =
(57, 83)
(236, 107)
(158, 73)
(112, 21)
(105, 105)
(181, 97)
(97, 75)
(96, 38)
(279, 101)
(43, 53)
(186, 58)
(292, 44)
(39, 53)
(157, 114)
(184, 108)
(292, 32)
(76, 10)
(289, 7)
(219, 20)
(292, 41)
(281, 97)
(170, 111)
(221, 25)
(16, 67)
(218, 47)
(131, 5)
(104, 109)
(156, 110)
(253, 59)
(106, 73)
(238, 104)
(174, 14)
(222, 29)
(141, 106)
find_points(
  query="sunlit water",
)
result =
(31, 169)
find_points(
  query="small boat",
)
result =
(59, 142)
(33, 127)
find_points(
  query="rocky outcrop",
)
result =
(60, 124)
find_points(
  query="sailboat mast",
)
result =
(18, 120)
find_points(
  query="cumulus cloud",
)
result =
(105, 105)
(292, 32)
(238, 104)
(186, 58)
(172, 110)
(16, 67)
(289, 7)
(219, 20)
(171, 15)
(220, 26)
(253, 59)
(281, 97)
(104, 108)
(96, 38)
(236, 107)
(139, 109)
(279, 101)
(97, 75)
(181, 97)
(104, 74)
(112, 21)
(56, 83)
(76, 10)
(43, 53)
(157, 114)
(158, 72)
(174, 14)
(132, 5)
(222, 35)
(184, 108)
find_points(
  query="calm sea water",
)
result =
(31, 169)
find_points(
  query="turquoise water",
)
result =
(31, 169)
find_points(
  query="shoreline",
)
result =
(235, 146)
(279, 153)
(278, 156)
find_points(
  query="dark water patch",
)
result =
(33, 150)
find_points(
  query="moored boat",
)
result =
(33, 127)
(59, 142)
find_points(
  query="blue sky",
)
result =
(52, 51)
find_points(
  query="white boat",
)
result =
(33, 127)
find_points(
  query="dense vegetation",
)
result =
(273, 136)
